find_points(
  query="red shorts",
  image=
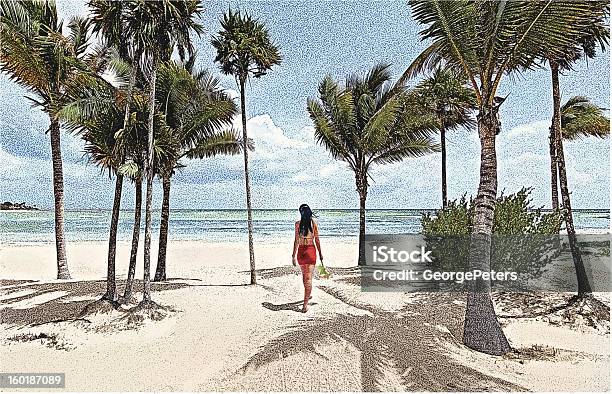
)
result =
(306, 254)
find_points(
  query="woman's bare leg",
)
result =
(307, 271)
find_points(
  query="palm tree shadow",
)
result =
(409, 342)
(71, 298)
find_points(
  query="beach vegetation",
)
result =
(525, 238)
(487, 41)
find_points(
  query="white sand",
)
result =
(228, 336)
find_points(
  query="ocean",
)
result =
(230, 225)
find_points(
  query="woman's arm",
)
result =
(295, 244)
(315, 231)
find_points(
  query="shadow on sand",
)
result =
(59, 301)
(415, 342)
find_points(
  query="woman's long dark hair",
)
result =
(306, 220)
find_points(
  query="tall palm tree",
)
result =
(35, 54)
(198, 113)
(368, 122)
(595, 34)
(244, 50)
(159, 27)
(108, 19)
(446, 94)
(487, 40)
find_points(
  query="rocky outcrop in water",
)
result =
(17, 206)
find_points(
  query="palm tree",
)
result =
(445, 94)
(159, 27)
(244, 49)
(108, 19)
(196, 110)
(485, 41)
(368, 122)
(595, 34)
(578, 118)
(36, 55)
(104, 150)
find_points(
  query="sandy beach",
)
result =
(221, 334)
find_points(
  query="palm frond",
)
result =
(581, 118)
(226, 142)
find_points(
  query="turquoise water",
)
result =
(230, 225)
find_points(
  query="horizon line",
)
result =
(276, 209)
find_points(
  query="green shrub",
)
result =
(524, 240)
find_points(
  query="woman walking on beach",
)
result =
(305, 246)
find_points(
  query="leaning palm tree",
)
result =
(487, 40)
(369, 122)
(159, 27)
(595, 34)
(104, 150)
(35, 54)
(445, 94)
(244, 50)
(198, 113)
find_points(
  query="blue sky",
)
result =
(288, 168)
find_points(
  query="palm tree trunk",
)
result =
(111, 286)
(554, 179)
(128, 99)
(160, 272)
(245, 151)
(58, 197)
(362, 190)
(126, 117)
(481, 330)
(584, 287)
(127, 293)
(443, 148)
(146, 292)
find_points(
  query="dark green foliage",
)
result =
(524, 239)
(514, 215)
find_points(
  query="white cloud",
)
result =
(268, 136)
(527, 130)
